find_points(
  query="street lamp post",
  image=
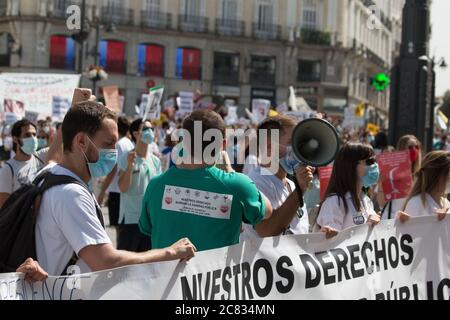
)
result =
(412, 88)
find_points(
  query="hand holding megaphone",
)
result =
(304, 175)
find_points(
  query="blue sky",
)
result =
(440, 43)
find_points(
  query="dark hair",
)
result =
(16, 130)
(84, 117)
(134, 126)
(209, 120)
(381, 141)
(123, 123)
(277, 123)
(344, 177)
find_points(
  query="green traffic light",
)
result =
(381, 81)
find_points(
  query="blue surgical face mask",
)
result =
(107, 160)
(42, 143)
(289, 163)
(29, 145)
(372, 176)
(148, 136)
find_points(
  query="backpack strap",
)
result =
(12, 173)
(51, 180)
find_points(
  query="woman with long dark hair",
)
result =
(346, 205)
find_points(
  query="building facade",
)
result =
(240, 49)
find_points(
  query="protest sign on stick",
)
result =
(396, 176)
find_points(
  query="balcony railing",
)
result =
(152, 70)
(60, 62)
(116, 66)
(266, 31)
(226, 76)
(308, 77)
(372, 56)
(227, 27)
(189, 73)
(193, 23)
(60, 8)
(316, 37)
(262, 77)
(117, 15)
(156, 19)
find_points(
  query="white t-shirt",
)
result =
(416, 208)
(396, 206)
(251, 163)
(277, 192)
(67, 222)
(124, 145)
(332, 214)
(24, 172)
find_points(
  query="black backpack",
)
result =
(18, 220)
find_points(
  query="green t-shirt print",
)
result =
(205, 205)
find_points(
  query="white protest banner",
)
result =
(391, 261)
(14, 110)
(60, 106)
(153, 106)
(144, 103)
(168, 104)
(112, 98)
(186, 103)
(232, 116)
(36, 90)
(282, 108)
(351, 120)
(32, 116)
(260, 109)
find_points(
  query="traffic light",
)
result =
(381, 82)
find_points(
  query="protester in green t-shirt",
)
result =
(196, 199)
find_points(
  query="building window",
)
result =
(263, 70)
(117, 12)
(264, 26)
(228, 22)
(228, 10)
(310, 14)
(3, 6)
(188, 64)
(309, 71)
(112, 56)
(226, 68)
(62, 52)
(192, 17)
(265, 12)
(151, 60)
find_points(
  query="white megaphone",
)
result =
(315, 142)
